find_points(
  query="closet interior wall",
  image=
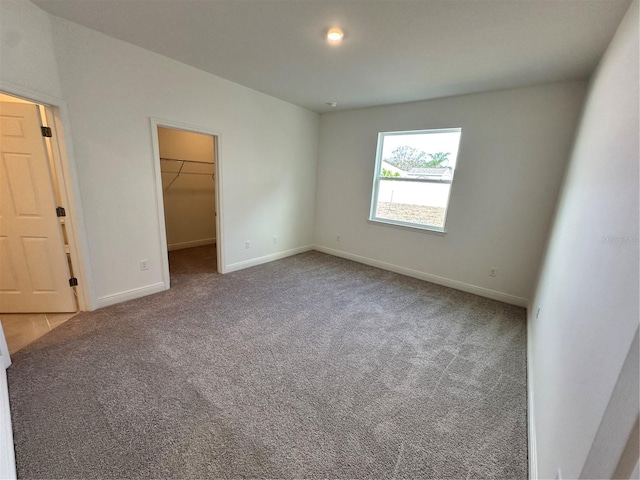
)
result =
(187, 165)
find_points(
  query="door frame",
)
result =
(66, 174)
(219, 206)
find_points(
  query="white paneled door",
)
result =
(34, 273)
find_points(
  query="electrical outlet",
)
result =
(247, 244)
(144, 264)
(275, 239)
(338, 237)
(494, 272)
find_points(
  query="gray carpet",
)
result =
(311, 366)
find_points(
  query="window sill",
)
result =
(408, 226)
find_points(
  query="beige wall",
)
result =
(185, 145)
(189, 199)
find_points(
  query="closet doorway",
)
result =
(188, 172)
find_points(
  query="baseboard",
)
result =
(465, 287)
(191, 244)
(130, 294)
(531, 418)
(266, 259)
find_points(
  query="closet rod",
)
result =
(191, 173)
(188, 161)
(180, 172)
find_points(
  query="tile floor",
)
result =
(20, 329)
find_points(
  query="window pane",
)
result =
(413, 176)
(413, 202)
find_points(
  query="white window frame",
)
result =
(376, 182)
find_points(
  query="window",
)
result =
(413, 177)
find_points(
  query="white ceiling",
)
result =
(394, 50)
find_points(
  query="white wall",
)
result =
(267, 156)
(28, 68)
(513, 153)
(188, 198)
(588, 289)
(26, 49)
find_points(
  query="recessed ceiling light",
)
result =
(331, 104)
(334, 34)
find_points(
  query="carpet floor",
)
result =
(308, 367)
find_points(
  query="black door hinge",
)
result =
(46, 131)
(73, 282)
(60, 212)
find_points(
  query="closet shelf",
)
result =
(183, 160)
(192, 173)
